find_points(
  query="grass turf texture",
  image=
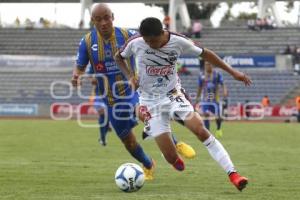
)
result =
(44, 159)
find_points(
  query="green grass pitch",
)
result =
(45, 159)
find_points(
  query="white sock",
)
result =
(219, 154)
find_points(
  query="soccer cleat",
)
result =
(149, 172)
(219, 133)
(179, 164)
(238, 181)
(185, 150)
(103, 143)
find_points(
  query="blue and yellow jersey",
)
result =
(210, 86)
(97, 51)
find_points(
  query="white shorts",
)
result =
(163, 110)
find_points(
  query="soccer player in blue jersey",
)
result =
(209, 86)
(98, 48)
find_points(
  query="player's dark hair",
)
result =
(151, 26)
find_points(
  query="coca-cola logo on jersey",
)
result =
(159, 70)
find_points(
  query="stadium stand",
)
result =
(34, 86)
(225, 40)
(240, 40)
(15, 41)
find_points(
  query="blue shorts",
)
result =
(211, 107)
(122, 116)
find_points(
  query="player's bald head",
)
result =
(101, 8)
(102, 18)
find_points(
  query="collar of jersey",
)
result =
(112, 36)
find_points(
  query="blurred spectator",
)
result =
(43, 23)
(288, 50)
(247, 108)
(251, 24)
(40, 23)
(297, 101)
(265, 101)
(259, 24)
(269, 23)
(296, 60)
(29, 24)
(197, 29)
(265, 23)
(167, 21)
(17, 22)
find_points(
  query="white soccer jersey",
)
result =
(156, 67)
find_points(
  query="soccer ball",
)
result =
(130, 177)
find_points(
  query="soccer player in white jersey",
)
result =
(157, 51)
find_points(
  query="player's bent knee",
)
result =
(203, 133)
(193, 120)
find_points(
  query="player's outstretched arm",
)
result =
(215, 60)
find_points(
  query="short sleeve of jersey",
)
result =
(126, 51)
(190, 48)
(131, 32)
(82, 54)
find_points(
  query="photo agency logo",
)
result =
(85, 102)
(89, 101)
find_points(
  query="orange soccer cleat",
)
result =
(238, 181)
